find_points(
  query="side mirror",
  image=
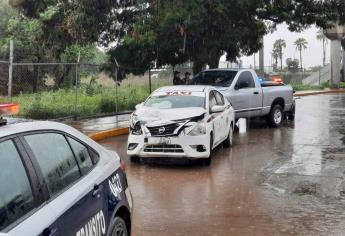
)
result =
(217, 108)
(140, 105)
(242, 85)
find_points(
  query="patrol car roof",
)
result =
(22, 127)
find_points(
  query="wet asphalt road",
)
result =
(285, 181)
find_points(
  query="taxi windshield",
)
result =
(173, 102)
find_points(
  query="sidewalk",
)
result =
(315, 92)
(95, 125)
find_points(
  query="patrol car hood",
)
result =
(161, 116)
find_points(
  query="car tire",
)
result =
(135, 159)
(118, 227)
(275, 117)
(207, 161)
(228, 141)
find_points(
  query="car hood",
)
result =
(155, 116)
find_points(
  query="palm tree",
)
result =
(278, 46)
(275, 56)
(322, 37)
(301, 44)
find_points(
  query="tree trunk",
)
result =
(197, 67)
(281, 62)
(324, 52)
(214, 62)
(300, 59)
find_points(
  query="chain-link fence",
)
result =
(57, 90)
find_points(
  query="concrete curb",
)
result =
(306, 93)
(97, 136)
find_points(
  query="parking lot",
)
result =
(283, 181)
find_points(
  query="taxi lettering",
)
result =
(95, 226)
(179, 93)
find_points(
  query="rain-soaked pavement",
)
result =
(285, 181)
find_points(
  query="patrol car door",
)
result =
(76, 196)
(216, 120)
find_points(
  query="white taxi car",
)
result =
(181, 122)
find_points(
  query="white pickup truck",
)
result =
(250, 97)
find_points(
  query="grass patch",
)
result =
(90, 101)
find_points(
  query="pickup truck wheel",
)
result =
(275, 118)
(228, 141)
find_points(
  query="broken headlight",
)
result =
(198, 129)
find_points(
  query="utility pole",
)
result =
(10, 73)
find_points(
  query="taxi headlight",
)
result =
(199, 129)
(136, 129)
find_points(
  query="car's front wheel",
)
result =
(119, 227)
(228, 141)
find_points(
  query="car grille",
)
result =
(166, 148)
(163, 130)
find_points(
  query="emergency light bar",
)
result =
(8, 109)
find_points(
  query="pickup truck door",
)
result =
(247, 96)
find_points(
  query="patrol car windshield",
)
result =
(221, 78)
(173, 102)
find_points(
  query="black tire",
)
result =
(135, 159)
(228, 141)
(118, 227)
(208, 161)
(276, 116)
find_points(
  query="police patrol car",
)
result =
(181, 121)
(56, 181)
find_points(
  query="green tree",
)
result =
(321, 37)
(301, 44)
(173, 32)
(278, 46)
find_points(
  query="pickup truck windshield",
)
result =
(221, 78)
(172, 102)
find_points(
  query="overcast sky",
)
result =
(311, 57)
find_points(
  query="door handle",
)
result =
(50, 232)
(256, 92)
(97, 190)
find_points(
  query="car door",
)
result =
(245, 96)
(19, 194)
(224, 116)
(64, 164)
(216, 119)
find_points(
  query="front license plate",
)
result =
(162, 140)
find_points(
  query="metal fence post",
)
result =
(10, 73)
(150, 85)
(76, 85)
